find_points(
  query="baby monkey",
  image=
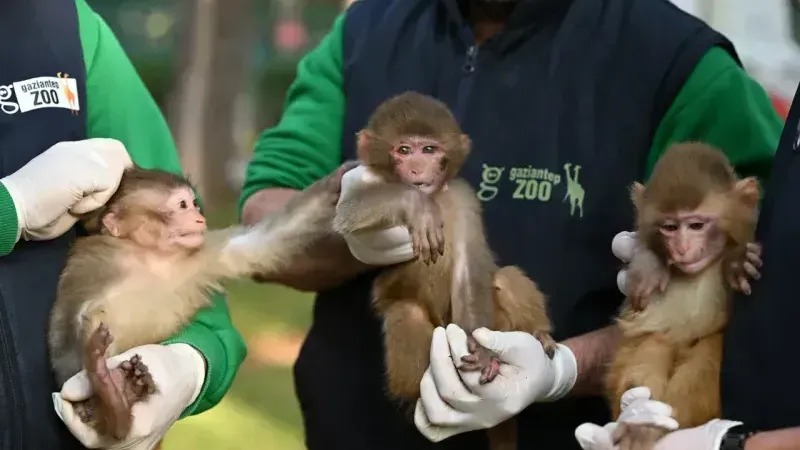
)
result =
(695, 223)
(413, 149)
(148, 266)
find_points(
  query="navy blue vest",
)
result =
(38, 38)
(760, 369)
(561, 108)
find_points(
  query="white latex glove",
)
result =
(454, 402)
(179, 373)
(638, 408)
(622, 246)
(69, 177)
(380, 247)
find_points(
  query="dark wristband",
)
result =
(735, 438)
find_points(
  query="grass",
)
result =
(260, 410)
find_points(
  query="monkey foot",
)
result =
(139, 382)
(94, 357)
(548, 343)
(84, 410)
(480, 358)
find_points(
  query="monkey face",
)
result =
(420, 162)
(692, 240)
(187, 225)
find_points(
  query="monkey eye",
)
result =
(404, 150)
(669, 227)
(183, 204)
(697, 226)
(196, 204)
(429, 149)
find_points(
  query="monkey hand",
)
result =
(639, 409)
(69, 177)
(427, 229)
(178, 371)
(375, 247)
(742, 265)
(453, 401)
(644, 273)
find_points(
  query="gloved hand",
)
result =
(69, 177)
(378, 247)
(622, 246)
(449, 406)
(638, 408)
(179, 373)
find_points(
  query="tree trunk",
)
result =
(211, 77)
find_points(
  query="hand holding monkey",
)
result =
(645, 274)
(179, 372)
(454, 401)
(638, 408)
(68, 179)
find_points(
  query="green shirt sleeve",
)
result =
(306, 144)
(119, 106)
(720, 104)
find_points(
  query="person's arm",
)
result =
(303, 147)
(783, 439)
(721, 105)
(119, 106)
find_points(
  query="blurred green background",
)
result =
(260, 411)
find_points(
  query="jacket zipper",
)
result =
(470, 64)
(11, 383)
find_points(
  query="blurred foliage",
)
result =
(150, 32)
(260, 410)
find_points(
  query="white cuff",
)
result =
(198, 362)
(718, 427)
(566, 373)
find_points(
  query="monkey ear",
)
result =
(466, 142)
(363, 140)
(637, 194)
(747, 189)
(112, 223)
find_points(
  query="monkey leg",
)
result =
(109, 411)
(642, 361)
(408, 332)
(629, 436)
(519, 305)
(693, 391)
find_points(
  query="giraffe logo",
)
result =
(68, 92)
(575, 192)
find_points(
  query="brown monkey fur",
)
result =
(148, 266)
(413, 148)
(696, 218)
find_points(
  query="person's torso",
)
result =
(758, 366)
(41, 73)
(561, 109)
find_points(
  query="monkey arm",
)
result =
(593, 352)
(325, 263)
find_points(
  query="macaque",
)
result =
(413, 148)
(696, 220)
(147, 267)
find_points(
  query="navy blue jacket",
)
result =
(37, 38)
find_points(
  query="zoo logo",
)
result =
(534, 183)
